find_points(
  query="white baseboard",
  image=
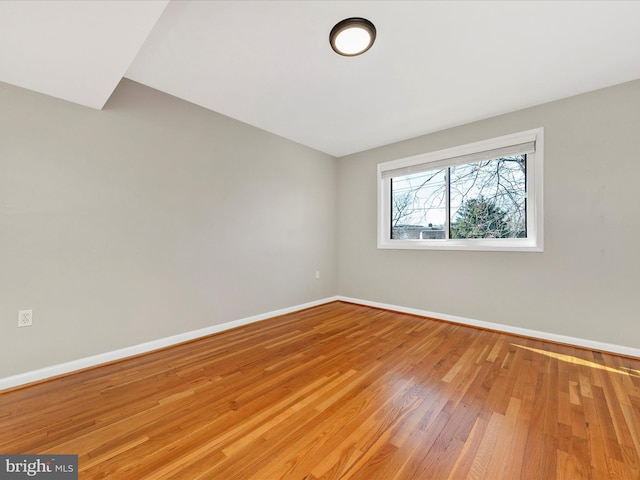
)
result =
(579, 342)
(82, 363)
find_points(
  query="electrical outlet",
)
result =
(317, 273)
(25, 318)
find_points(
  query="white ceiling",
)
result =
(74, 50)
(435, 64)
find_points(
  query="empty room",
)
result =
(319, 240)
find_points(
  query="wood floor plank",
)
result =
(341, 391)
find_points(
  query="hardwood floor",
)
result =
(341, 391)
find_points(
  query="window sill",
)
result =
(506, 245)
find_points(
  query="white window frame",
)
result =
(452, 156)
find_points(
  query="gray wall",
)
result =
(586, 284)
(150, 218)
(155, 217)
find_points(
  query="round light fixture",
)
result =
(352, 36)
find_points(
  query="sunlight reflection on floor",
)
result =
(579, 361)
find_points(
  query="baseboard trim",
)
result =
(47, 373)
(524, 332)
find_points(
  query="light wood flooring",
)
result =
(341, 391)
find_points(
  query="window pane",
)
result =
(488, 199)
(418, 205)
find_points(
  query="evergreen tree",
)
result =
(480, 218)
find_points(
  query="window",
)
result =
(482, 196)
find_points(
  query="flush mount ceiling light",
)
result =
(352, 36)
